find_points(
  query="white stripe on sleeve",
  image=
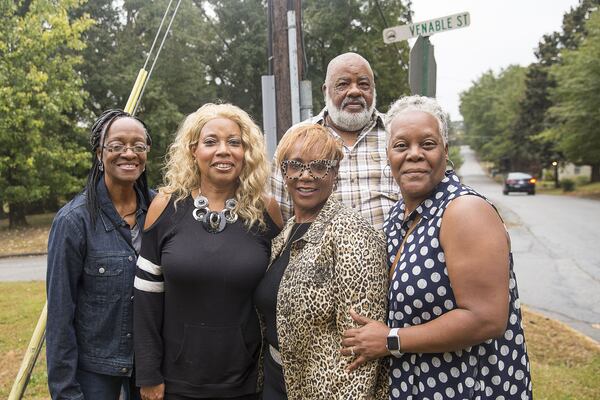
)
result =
(148, 286)
(149, 266)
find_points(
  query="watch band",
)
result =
(393, 335)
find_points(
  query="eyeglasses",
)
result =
(121, 148)
(317, 169)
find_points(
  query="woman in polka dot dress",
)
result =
(454, 325)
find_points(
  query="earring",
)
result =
(388, 169)
(449, 161)
(335, 183)
(100, 166)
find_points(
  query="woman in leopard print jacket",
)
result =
(326, 261)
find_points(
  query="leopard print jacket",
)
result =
(337, 265)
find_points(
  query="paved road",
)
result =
(31, 268)
(556, 242)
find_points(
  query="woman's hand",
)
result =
(368, 342)
(153, 392)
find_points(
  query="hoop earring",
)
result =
(449, 161)
(100, 166)
(388, 169)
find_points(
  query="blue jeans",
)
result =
(106, 387)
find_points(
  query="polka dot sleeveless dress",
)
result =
(420, 291)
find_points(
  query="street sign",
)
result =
(422, 68)
(426, 28)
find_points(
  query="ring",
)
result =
(352, 351)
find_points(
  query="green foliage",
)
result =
(455, 156)
(40, 96)
(576, 101)
(567, 185)
(490, 111)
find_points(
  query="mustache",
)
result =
(348, 100)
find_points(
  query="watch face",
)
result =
(393, 343)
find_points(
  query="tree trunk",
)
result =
(595, 172)
(16, 216)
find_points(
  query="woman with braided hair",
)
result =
(92, 251)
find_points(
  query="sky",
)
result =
(502, 32)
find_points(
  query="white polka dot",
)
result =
(441, 291)
(418, 303)
(472, 360)
(403, 278)
(429, 297)
(398, 316)
(424, 250)
(426, 316)
(504, 350)
(447, 357)
(396, 284)
(519, 339)
(416, 321)
(407, 309)
(454, 372)
(403, 387)
(437, 310)
(433, 210)
(481, 351)
(501, 365)
(437, 396)
(422, 239)
(428, 203)
(449, 304)
(397, 373)
(413, 258)
(422, 283)
(410, 290)
(469, 382)
(405, 366)
(435, 243)
(416, 270)
(411, 248)
(489, 391)
(510, 370)
(508, 335)
(429, 263)
(436, 362)
(512, 284)
(450, 392)
(506, 386)
(519, 374)
(396, 393)
(431, 382)
(493, 359)
(441, 257)
(420, 230)
(513, 319)
(443, 377)
(431, 231)
(496, 380)
(400, 297)
(439, 194)
(517, 304)
(435, 277)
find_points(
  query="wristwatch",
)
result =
(393, 342)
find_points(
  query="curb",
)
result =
(39, 253)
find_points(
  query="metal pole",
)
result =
(425, 78)
(293, 61)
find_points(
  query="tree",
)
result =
(576, 102)
(490, 109)
(40, 95)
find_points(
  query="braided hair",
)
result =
(97, 140)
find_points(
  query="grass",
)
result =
(31, 239)
(565, 365)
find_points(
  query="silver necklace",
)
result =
(213, 221)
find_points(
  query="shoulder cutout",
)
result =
(157, 207)
(274, 210)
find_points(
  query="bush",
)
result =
(582, 180)
(567, 185)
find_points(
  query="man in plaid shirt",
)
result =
(365, 181)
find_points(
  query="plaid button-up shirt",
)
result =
(363, 184)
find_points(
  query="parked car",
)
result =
(519, 182)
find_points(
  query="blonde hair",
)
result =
(182, 174)
(314, 136)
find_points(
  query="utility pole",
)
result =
(281, 57)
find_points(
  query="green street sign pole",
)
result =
(422, 68)
(425, 79)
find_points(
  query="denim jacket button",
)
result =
(101, 270)
(129, 335)
(124, 370)
(130, 258)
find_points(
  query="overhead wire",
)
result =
(164, 37)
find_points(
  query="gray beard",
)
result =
(349, 121)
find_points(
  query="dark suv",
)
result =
(519, 182)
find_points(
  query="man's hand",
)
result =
(368, 342)
(153, 392)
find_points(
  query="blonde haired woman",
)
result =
(205, 248)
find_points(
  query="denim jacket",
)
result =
(89, 286)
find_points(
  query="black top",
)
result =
(265, 295)
(194, 323)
